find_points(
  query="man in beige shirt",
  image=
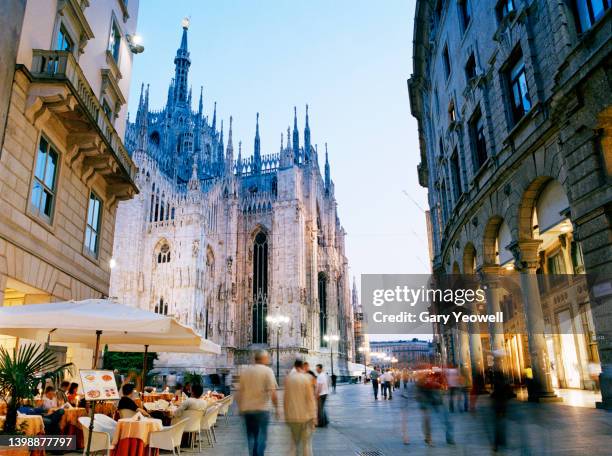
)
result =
(300, 409)
(257, 389)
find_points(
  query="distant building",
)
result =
(514, 106)
(63, 165)
(221, 240)
(409, 353)
(362, 340)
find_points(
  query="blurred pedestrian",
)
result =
(387, 382)
(322, 392)
(374, 377)
(429, 396)
(300, 410)
(454, 387)
(334, 379)
(499, 401)
(256, 390)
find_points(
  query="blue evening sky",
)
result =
(349, 60)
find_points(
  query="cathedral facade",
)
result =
(221, 241)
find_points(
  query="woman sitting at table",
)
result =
(53, 412)
(195, 402)
(126, 402)
(73, 393)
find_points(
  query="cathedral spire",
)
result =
(257, 151)
(327, 172)
(182, 62)
(214, 121)
(229, 155)
(194, 181)
(140, 103)
(201, 102)
(296, 137)
(281, 148)
(306, 138)
(239, 161)
(220, 151)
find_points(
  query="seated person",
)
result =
(62, 392)
(195, 402)
(73, 392)
(126, 402)
(53, 413)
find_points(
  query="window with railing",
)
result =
(64, 41)
(446, 61)
(92, 228)
(44, 185)
(456, 175)
(470, 68)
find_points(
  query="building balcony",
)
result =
(58, 85)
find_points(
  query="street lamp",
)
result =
(277, 321)
(363, 350)
(331, 339)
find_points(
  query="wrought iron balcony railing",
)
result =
(62, 66)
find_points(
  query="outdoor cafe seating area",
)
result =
(161, 420)
(126, 433)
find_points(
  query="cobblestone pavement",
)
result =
(362, 426)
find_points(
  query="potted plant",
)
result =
(21, 372)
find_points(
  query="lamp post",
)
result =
(363, 350)
(277, 321)
(331, 339)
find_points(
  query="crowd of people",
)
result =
(440, 392)
(305, 395)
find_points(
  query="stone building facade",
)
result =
(362, 339)
(221, 240)
(63, 165)
(406, 354)
(513, 102)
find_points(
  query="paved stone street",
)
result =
(362, 426)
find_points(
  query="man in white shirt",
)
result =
(387, 381)
(322, 392)
(300, 409)
(257, 389)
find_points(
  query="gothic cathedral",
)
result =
(220, 241)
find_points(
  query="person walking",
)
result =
(256, 390)
(300, 409)
(374, 376)
(322, 392)
(387, 384)
(334, 380)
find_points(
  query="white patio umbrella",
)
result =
(204, 346)
(95, 322)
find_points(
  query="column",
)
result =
(489, 275)
(526, 255)
(464, 351)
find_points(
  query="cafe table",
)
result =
(69, 424)
(132, 436)
(30, 425)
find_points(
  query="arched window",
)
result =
(322, 293)
(163, 253)
(162, 307)
(260, 288)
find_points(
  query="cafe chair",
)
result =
(126, 413)
(208, 423)
(193, 425)
(226, 405)
(169, 438)
(105, 423)
(100, 441)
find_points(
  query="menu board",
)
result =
(99, 385)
